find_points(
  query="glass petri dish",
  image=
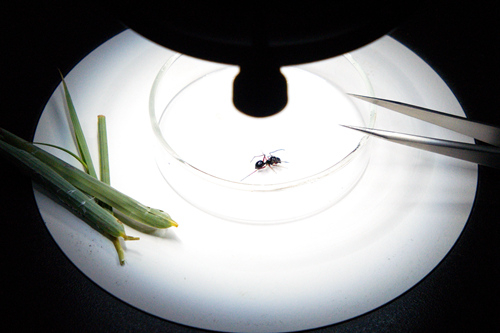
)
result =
(207, 150)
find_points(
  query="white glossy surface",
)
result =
(205, 145)
(387, 234)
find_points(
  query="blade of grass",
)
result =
(64, 150)
(102, 137)
(78, 202)
(103, 156)
(95, 216)
(83, 148)
(103, 150)
(132, 208)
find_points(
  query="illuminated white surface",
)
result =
(205, 145)
(291, 129)
(395, 226)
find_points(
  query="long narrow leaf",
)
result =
(64, 150)
(103, 150)
(80, 138)
(77, 201)
(105, 176)
(150, 216)
(104, 158)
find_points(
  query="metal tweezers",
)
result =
(487, 155)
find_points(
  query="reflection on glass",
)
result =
(207, 147)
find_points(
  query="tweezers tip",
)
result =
(359, 96)
(353, 127)
(359, 129)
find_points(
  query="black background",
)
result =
(42, 289)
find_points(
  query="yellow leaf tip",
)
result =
(127, 238)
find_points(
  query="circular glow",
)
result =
(388, 233)
(208, 149)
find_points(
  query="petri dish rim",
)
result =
(238, 185)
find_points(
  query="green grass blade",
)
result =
(64, 150)
(83, 148)
(76, 200)
(150, 216)
(104, 157)
(103, 150)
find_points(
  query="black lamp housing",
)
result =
(262, 36)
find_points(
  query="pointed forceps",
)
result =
(481, 154)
